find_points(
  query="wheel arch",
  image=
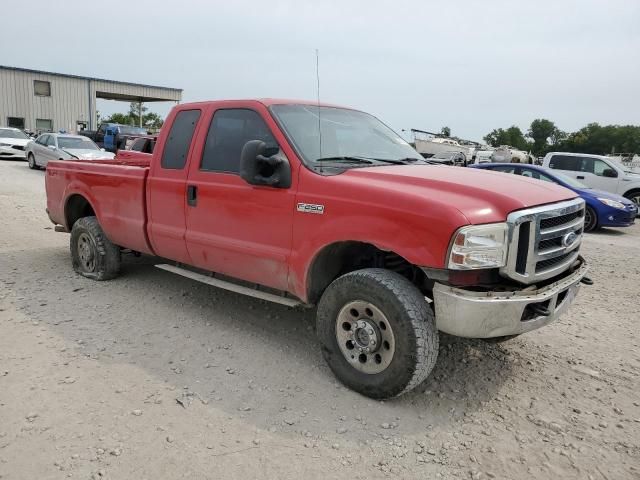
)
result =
(635, 189)
(76, 207)
(341, 257)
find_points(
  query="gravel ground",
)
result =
(154, 376)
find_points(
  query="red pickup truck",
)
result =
(307, 204)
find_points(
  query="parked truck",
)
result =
(113, 136)
(317, 205)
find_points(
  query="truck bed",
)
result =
(116, 191)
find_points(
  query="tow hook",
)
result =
(586, 281)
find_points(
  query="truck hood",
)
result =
(480, 195)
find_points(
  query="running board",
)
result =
(270, 297)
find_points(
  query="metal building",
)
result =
(47, 101)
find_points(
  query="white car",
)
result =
(62, 146)
(13, 143)
(596, 171)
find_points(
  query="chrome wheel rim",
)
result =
(86, 252)
(32, 162)
(365, 337)
(636, 199)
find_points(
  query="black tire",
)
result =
(590, 220)
(409, 317)
(32, 162)
(92, 253)
(634, 196)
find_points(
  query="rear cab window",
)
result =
(176, 148)
(566, 162)
(139, 144)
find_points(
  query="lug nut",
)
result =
(370, 331)
(373, 342)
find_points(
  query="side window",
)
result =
(586, 164)
(599, 167)
(565, 162)
(102, 128)
(537, 175)
(178, 142)
(504, 169)
(229, 131)
(51, 141)
(42, 139)
(138, 145)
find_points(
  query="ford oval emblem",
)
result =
(569, 239)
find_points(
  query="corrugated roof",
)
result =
(28, 70)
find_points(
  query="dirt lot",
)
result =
(155, 376)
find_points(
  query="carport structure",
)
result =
(39, 100)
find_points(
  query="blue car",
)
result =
(604, 209)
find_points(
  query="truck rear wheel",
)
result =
(92, 253)
(378, 333)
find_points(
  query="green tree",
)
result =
(512, 136)
(137, 110)
(446, 131)
(121, 118)
(152, 120)
(542, 132)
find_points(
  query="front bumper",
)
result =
(12, 153)
(614, 217)
(466, 313)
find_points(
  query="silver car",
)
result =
(62, 146)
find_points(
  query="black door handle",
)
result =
(192, 195)
(580, 177)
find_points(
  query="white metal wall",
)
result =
(68, 103)
(72, 100)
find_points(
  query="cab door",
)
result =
(166, 186)
(599, 174)
(240, 230)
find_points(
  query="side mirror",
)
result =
(609, 172)
(52, 147)
(102, 150)
(260, 165)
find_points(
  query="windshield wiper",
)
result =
(345, 159)
(69, 153)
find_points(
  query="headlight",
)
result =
(612, 203)
(479, 246)
(5, 144)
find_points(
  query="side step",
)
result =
(270, 297)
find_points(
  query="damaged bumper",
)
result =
(466, 313)
(12, 152)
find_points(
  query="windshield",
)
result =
(81, 143)
(345, 133)
(124, 129)
(6, 133)
(572, 182)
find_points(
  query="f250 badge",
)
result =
(310, 208)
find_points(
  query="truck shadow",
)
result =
(235, 352)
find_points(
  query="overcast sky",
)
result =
(471, 65)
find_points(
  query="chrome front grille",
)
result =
(543, 241)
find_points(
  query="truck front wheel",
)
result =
(92, 253)
(377, 332)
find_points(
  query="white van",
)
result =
(596, 171)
